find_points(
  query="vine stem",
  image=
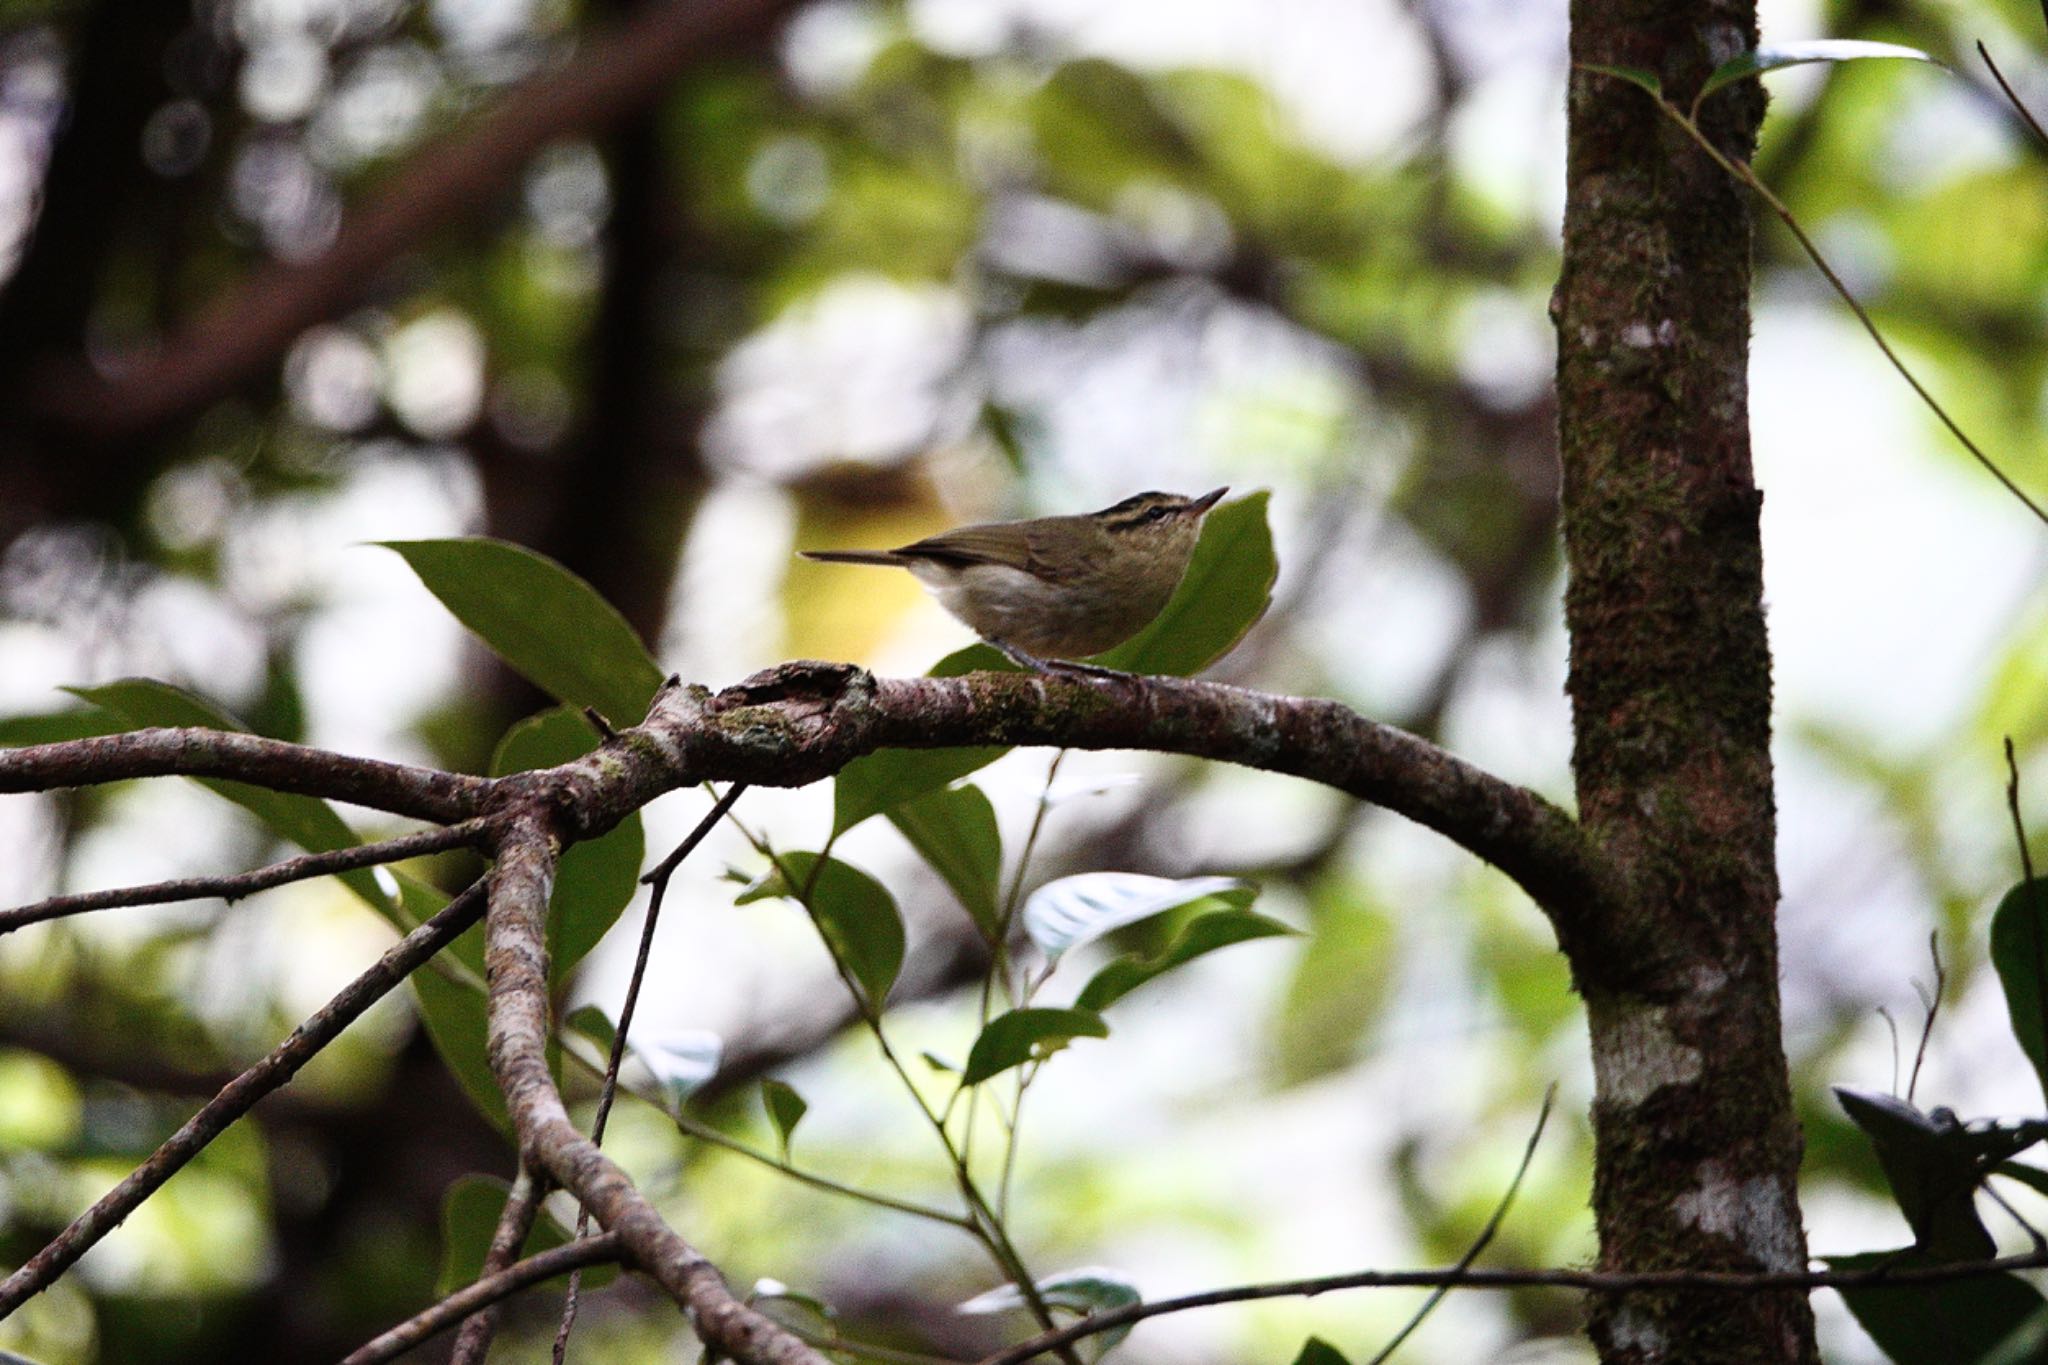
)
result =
(985, 1224)
(1738, 168)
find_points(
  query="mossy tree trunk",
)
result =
(1697, 1148)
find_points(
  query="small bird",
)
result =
(1054, 589)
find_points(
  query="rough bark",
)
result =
(1697, 1148)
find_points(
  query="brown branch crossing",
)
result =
(484, 1295)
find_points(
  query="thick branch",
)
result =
(804, 721)
(422, 793)
(516, 964)
(301, 868)
(239, 1096)
(484, 1296)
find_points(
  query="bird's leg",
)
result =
(1067, 666)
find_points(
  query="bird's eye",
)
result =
(1155, 513)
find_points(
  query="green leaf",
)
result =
(854, 912)
(469, 1219)
(1938, 1324)
(541, 619)
(1071, 911)
(1083, 1292)
(593, 1023)
(1029, 1034)
(596, 879)
(306, 821)
(51, 727)
(887, 778)
(1203, 934)
(1227, 588)
(1634, 75)
(2019, 949)
(955, 831)
(1339, 985)
(1778, 56)
(453, 1013)
(1931, 1163)
(1316, 1351)
(785, 1108)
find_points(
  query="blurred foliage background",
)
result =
(844, 273)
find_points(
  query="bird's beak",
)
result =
(1206, 501)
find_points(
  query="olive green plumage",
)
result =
(1056, 587)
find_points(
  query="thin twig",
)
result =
(239, 1096)
(522, 1206)
(309, 865)
(1593, 1281)
(658, 879)
(486, 1292)
(1741, 171)
(1485, 1237)
(2025, 114)
(1933, 1013)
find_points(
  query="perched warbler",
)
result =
(1055, 588)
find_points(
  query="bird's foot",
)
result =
(1067, 666)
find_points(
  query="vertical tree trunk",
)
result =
(1697, 1148)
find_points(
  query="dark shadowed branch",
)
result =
(239, 1096)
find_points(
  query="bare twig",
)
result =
(1933, 1013)
(1740, 169)
(468, 833)
(1485, 1237)
(486, 1293)
(658, 879)
(1595, 1281)
(239, 1096)
(515, 1222)
(2026, 115)
(423, 793)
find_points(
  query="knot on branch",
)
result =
(814, 685)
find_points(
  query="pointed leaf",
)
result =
(1316, 1351)
(1203, 934)
(1083, 1292)
(854, 912)
(1938, 1324)
(1228, 586)
(593, 1023)
(1635, 75)
(1066, 913)
(596, 879)
(1778, 56)
(541, 619)
(955, 831)
(680, 1061)
(785, 1108)
(1030, 1034)
(51, 727)
(1930, 1162)
(306, 821)
(2019, 949)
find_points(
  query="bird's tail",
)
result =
(885, 557)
